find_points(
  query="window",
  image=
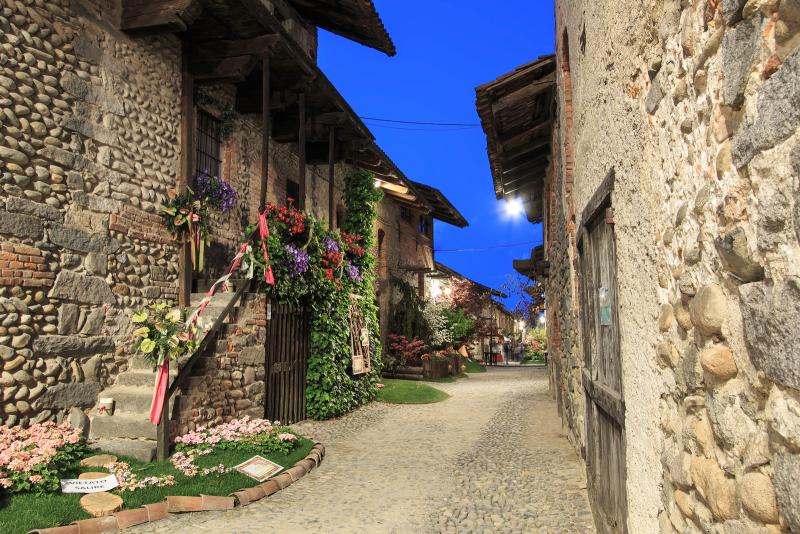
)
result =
(424, 225)
(292, 192)
(405, 214)
(209, 159)
(381, 236)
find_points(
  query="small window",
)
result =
(405, 214)
(381, 236)
(424, 225)
(292, 193)
(209, 158)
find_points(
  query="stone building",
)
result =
(107, 105)
(494, 321)
(405, 240)
(659, 147)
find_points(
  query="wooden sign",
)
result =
(359, 338)
(258, 468)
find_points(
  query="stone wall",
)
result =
(401, 247)
(229, 383)
(695, 107)
(89, 150)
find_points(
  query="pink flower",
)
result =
(35, 478)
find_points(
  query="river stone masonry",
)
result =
(89, 150)
(695, 105)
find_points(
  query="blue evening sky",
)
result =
(446, 48)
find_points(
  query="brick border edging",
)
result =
(172, 504)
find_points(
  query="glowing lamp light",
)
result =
(513, 207)
(436, 289)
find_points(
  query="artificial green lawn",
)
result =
(472, 366)
(21, 513)
(409, 392)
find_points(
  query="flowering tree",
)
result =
(435, 315)
(529, 295)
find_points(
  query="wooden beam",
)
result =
(186, 169)
(257, 46)
(223, 70)
(331, 176)
(301, 149)
(265, 131)
(521, 139)
(166, 15)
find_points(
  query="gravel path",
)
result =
(491, 458)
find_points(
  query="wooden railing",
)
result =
(163, 430)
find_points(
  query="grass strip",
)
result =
(472, 366)
(409, 392)
(25, 512)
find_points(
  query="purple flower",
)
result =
(330, 244)
(297, 260)
(215, 191)
(354, 273)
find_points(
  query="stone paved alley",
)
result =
(492, 458)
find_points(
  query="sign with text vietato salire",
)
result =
(89, 485)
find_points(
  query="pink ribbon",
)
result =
(263, 229)
(162, 378)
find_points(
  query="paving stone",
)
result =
(454, 466)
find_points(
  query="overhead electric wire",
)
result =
(419, 129)
(491, 247)
(423, 123)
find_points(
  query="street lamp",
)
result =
(513, 207)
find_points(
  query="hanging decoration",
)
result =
(186, 215)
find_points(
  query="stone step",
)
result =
(142, 376)
(131, 399)
(122, 425)
(138, 449)
(218, 300)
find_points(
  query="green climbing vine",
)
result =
(320, 268)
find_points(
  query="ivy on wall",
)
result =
(319, 269)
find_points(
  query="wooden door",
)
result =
(602, 375)
(288, 346)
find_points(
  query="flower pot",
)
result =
(436, 368)
(105, 406)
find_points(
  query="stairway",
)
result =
(129, 431)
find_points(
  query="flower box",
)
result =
(436, 368)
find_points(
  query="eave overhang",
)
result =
(516, 112)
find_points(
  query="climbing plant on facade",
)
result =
(320, 268)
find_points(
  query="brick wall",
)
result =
(229, 383)
(23, 266)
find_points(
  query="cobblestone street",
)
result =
(491, 458)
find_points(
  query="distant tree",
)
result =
(529, 296)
